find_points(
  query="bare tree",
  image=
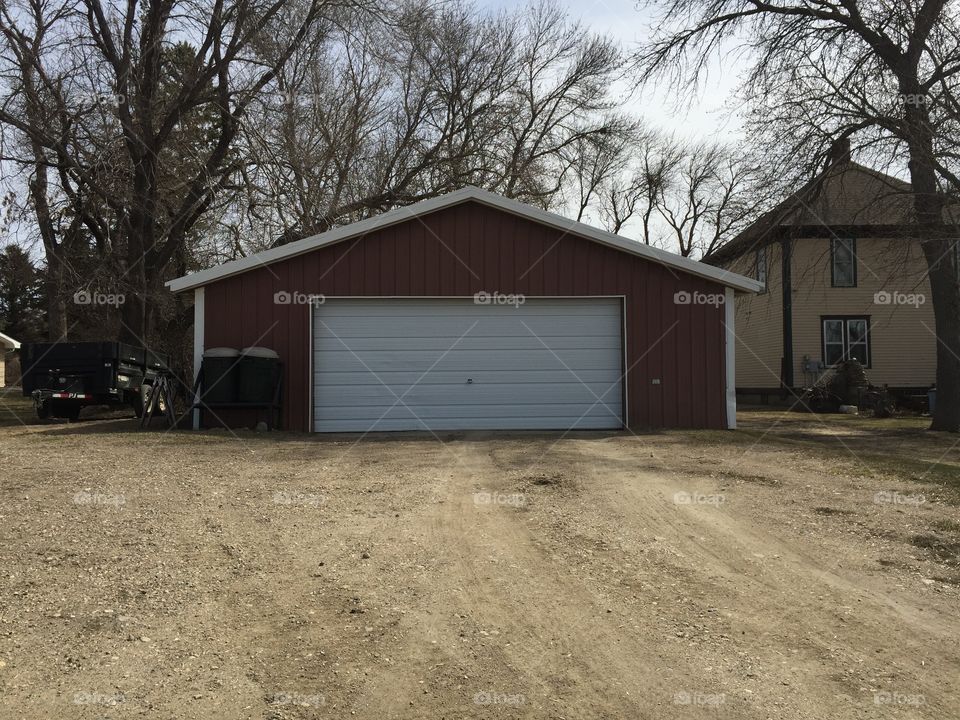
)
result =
(706, 196)
(439, 97)
(882, 72)
(159, 150)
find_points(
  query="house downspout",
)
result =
(786, 372)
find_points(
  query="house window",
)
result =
(760, 260)
(843, 262)
(846, 338)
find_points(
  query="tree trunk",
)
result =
(56, 299)
(946, 310)
(941, 266)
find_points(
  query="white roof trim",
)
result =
(9, 342)
(398, 215)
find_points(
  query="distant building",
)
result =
(7, 346)
(845, 277)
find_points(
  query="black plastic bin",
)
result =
(257, 375)
(220, 372)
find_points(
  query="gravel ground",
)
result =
(801, 567)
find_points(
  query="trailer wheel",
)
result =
(43, 410)
(142, 401)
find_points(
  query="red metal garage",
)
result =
(438, 281)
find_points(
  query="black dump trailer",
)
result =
(63, 377)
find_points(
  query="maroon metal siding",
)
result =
(470, 248)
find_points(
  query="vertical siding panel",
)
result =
(679, 398)
(638, 377)
(493, 236)
(294, 370)
(512, 258)
(552, 247)
(387, 251)
(581, 265)
(655, 307)
(403, 259)
(535, 239)
(438, 244)
(354, 270)
(466, 268)
(371, 265)
(479, 242)
(715, 362)
(417, 259)
(671, 348)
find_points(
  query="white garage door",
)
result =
(453, 364)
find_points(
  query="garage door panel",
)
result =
(516, 326)
(465, 343)
(452, 377)
(426, 412)
(436, 307)
(463, 361)
(406, 421)
(461, 394)
(368, 353)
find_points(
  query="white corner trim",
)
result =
(398, 215)
(730, 359)
(198, 328)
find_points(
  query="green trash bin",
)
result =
(220, 375)
(257, 374)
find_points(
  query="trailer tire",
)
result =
(142, 401)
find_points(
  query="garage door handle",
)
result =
(469, 381)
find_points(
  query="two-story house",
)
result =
(845, 278)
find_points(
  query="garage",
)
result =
(461, 364)
(472, 311)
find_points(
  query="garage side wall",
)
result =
(674, 350)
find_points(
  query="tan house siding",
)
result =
(846, 198)
(759, 324)
(902, 348)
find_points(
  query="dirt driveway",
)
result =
(756, 574)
